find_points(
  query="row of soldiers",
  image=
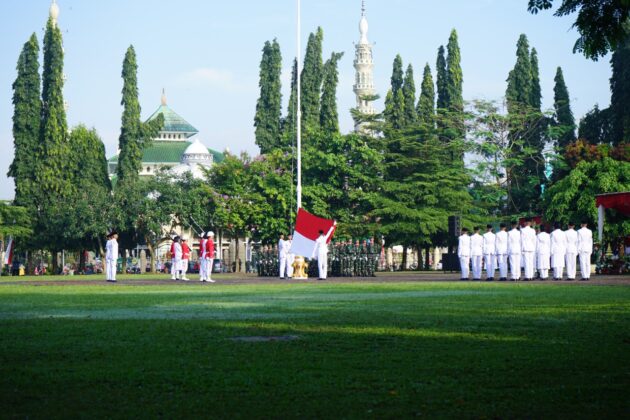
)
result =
(345, 259)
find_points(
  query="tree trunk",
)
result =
(55, 263)
(82, 261)
(151, 251)
(427, 256)
(124, 261)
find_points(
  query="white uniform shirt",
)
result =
(286, 247)
(543, 244)
(281, 249)
(321, 247)
(514, 242)
(476, 244)
(585, 240)
(572, 241)
(528, 239)
(558, 242)
(463, 248)
(489, 239)
(501, 243)
(111, 250)
(178, 251)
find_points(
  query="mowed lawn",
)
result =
(375, 350)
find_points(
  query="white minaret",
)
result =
(363, 64)
(54, 12)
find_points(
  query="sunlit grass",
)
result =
(363, 350)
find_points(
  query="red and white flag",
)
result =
(8, 255)
(307, 227)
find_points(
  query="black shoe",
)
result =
(502, 279)
(568, 279)
(586, 279)
(490, 279)
(463, 279)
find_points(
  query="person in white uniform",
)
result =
(321, 253)
(558, 249)
(476, 253)
(585, 249)
(528, 249)
(290, 256)
(463, 252)
(572, 250)
(543, 253)
(177, 258)
(501, 248)
(489, 251)
(514, 252)
(111, 256)
(282, 255)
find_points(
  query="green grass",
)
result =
(364, 350)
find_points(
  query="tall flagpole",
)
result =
(299, 115)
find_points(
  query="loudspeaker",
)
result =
(454, 227)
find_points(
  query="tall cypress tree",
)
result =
(394, 109)
(562, 106)
(268, 108)
(290, 120)
(620, 92)
(536, 139)
(26, 123)
(440, 68)
(520, 78)
(535, 98)
(409, 92)
(52, 158)
(311, 80)
(426, 103)
(397, 75)
(329, 117)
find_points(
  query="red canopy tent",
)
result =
(619, 201)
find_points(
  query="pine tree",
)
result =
(520, 78)
(26, 124)
(442, 101)
(52, 158)
(289, 122)
(398, 117)
(454, 79)
(311, 80)
(268, 108)
(409, 92)
(397, 75)
(620, 92)
(426, 104)
(562, 106)
(535, 100)
(536, 139)
(329, 117)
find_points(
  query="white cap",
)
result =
(184, 238)
(210, 233)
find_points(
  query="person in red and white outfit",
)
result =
(209, 258)
(177, 258)
(202, 257)
(185, 258)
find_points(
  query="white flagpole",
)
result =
(299, 115)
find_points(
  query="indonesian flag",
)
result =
(8, 255)
(307, 227)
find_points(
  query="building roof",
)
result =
(168, 152)
(173, 123)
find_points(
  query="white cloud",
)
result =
(207, 77)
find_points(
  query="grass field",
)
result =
(384, 350)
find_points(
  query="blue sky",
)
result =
(206, 53)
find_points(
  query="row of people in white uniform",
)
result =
(525, 248)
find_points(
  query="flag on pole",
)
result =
(8, 255)
(307, 227)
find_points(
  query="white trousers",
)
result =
(208, 262)
(585, 265)
(503, 265)
(488, 259)
(464, 263)
(176, 268)
(184, 267)
(476, 266)
(322, 265)
(202, 269)
(544, 273)
(571, 262)
(110, 269)
(283, 265)
(528, 259)
(515, 266)
(557, 272)
(290, 259)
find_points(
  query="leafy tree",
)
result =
(14, 221)
(563, 115)
(329, 117)
(596, 126)
(409, 93)
(26, 125)
(573, 197)
(268, 107)
(440, 66)
(426, 104)
(601, 23)
(620, 90)
(311, 80)
(51, 164)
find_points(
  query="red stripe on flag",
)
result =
(309, 225)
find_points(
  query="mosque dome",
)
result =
(197, 153)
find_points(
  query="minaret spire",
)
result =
(362, 7)
(363, 64)
(54, 12)
(163, 98)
